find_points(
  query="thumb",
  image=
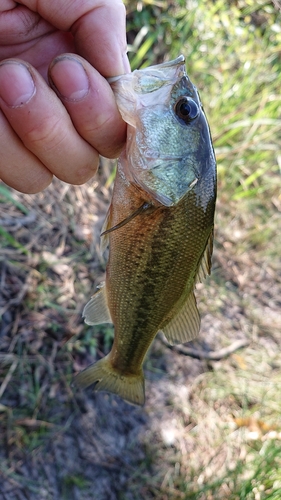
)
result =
(98, 27)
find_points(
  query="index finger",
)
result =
(98, 27)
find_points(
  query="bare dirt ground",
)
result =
(59, 443)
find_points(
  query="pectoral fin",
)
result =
(96, 310)
(104, 239)
(185, 325)
(145, 207)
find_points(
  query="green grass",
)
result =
(5, 194)
(236, 67)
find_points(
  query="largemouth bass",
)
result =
(159, 226)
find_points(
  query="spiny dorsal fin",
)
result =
(185, 325)
(205, 265)
(96, 310)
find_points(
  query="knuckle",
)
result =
(46, 135)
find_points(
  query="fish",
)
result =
(159, 227)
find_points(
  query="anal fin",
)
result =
(185, 325)
(96, 310)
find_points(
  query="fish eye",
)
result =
(186, 109)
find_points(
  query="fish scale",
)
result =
(159, 226)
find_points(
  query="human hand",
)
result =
(59, 128)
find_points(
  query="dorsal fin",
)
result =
(185, 325)
(96, 310)
(205, 265)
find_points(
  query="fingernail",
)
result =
(69, 78)
(126, 64)
(16, 84)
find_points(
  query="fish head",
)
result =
(169, 149)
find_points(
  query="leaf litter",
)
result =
(57, 442)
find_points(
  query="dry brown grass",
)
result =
(210, 430)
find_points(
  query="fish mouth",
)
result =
(168, 64)
(179, 61)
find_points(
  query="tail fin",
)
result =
(128, 387)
